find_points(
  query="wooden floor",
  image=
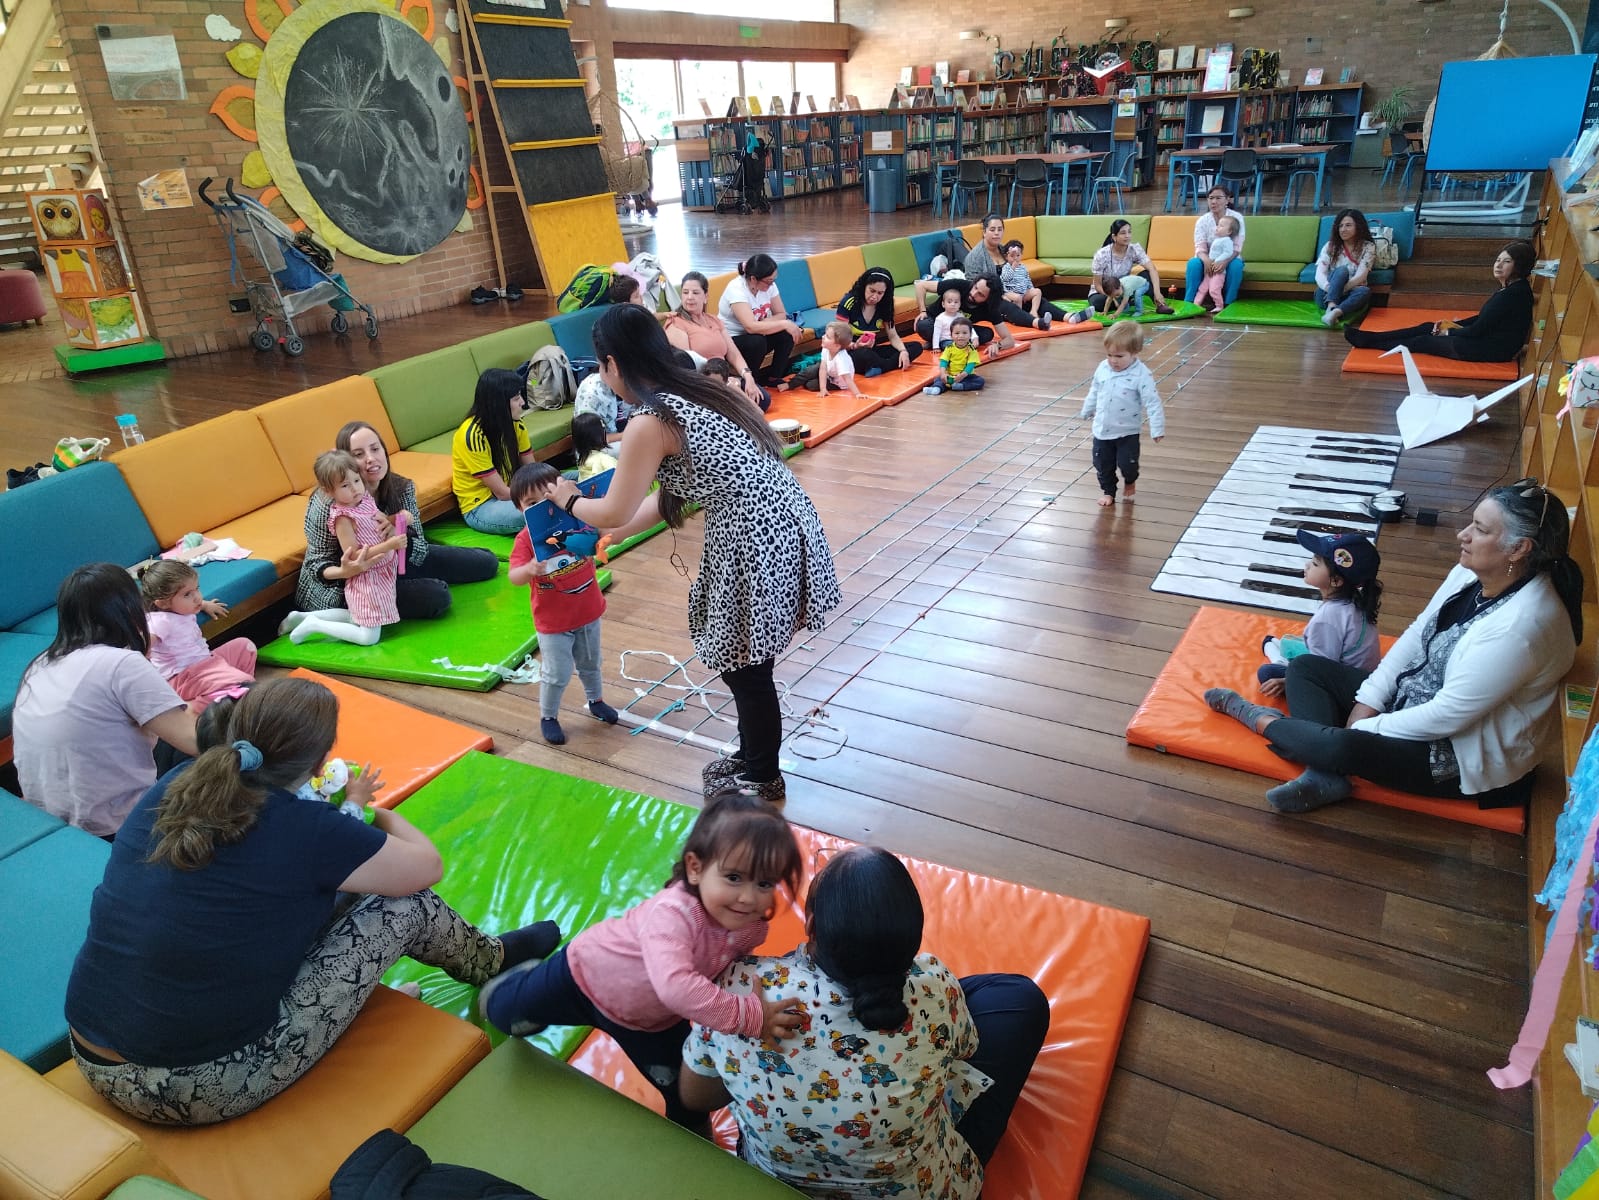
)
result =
(1322, 994)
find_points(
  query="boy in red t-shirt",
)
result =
(567, 605)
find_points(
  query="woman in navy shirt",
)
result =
(215, 971)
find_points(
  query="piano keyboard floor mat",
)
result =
(1221, 648)
(1241, 546)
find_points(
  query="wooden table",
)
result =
(1290, 150)
(1063, 161)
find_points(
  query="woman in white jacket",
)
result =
(1459, 707)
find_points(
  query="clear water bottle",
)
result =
(128, 427)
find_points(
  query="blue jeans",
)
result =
(1235, 278)
(558, 654)
(1136, 288)
(496, 516)
(1340, 295)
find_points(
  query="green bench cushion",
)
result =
(897, 256)
(1272, 272)
(1080, 236)
(547, 1127)
(509, 348)
(1072, 266)
(1279, 240)
(428, 394)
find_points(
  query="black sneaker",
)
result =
(483, 295)
(15, 478)
(513, 292)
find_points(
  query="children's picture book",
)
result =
(553, 531)
(1166, 59)
(705, 105)
(777, 106)
(811, 100)
(924, 76)
(1312, 76)
(754, 105)
(852, 102)
(1347, 75)
(963, 76)
(907, 75)
(941, 69)
(1185, 58)
(1211, 121)
(793, 104)
(1218, 67)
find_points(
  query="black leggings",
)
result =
(1321, 695)
(423, 592)
(1422, 340)
(883, 356)
(760, 719)
(755, 346)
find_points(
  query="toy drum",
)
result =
(789, 431)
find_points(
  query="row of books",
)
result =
(1070, 120)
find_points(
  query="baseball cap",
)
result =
(1347, 555)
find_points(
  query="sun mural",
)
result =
(362, 133)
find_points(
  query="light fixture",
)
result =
(971, 35)
(1115, 22)
(1238, 14)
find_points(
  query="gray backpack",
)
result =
(551, 383)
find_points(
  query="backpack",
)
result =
(1387, 247)
(954, 248)
(588, 288)
(550, 382)
(582, 368)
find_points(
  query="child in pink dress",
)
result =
(172, 605)
(354, 518)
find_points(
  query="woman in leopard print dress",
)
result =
(766, 571)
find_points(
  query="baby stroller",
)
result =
(297, 274)
(743, 189)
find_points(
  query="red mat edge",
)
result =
(1220, 730)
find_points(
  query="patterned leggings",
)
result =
(340, 971)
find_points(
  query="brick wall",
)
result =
(1386, 41)
(180, 259)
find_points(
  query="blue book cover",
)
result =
(553, 531)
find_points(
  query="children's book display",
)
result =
(93, 290)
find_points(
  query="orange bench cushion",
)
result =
(204, 476)
(393, 1064)
(1171, 245)
(834, 272)
(411, 746)
(718, 285)
(1221, 648)
(302, 425)
(1381, 320)
(432, 475)
(274, 532)
(1085, 957)
(824, 415)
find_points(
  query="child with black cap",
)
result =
(1344, 570)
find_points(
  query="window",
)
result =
(818, 80)
(713, 81)
(767, 79)
(800, 10)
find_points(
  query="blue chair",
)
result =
(1399, 151)
(971, 176)
(1031, 175)
(1106, 182)
(1296, 176)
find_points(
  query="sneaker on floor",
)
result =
(482, 295)
(717, 773)
(1078, 317)
(503, 986)
(932, 390)
(551, 729)
(1045, 320)
(1330, 317)
(773, 791)
(602, 711)
(1163, 308)
(513, 292)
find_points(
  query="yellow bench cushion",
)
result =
(274, 532)
(53, 1148)
(204, 476)
(1171, 245)
(432, 474)
(718, 285)
(834, 272)
(393, 1064)
(303, 425)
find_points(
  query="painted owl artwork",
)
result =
(60, 218)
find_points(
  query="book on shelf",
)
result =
(963, 76)
(924, 76)
(1166, 59)
(941, 69)
(793, 104)
(1347, 75)
(810, 100)
(1312, 76)
(907, 75)
(753, 105)
(1211, 120)
(1185, 58)
(1218, 67)
(777, 106)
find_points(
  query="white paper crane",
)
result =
(1425, 416)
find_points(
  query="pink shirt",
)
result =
(654, 966)
(176, 642)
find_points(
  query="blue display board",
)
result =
(1508, 114)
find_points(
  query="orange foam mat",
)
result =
(1381, 320)
(1057, 328)
(1221, 648)
(411, 746)
(893, 386)
(1085, 957)
(825, 416)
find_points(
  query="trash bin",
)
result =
(883, 186)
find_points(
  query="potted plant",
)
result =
(1396, 106)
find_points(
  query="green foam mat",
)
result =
(488, 623)
(1300, 314)
(452, 531)
(522, 844)
(1181, 310)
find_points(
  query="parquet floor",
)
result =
(1322, 995)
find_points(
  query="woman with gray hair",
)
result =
(1459, 706)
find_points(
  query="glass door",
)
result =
(647, 91)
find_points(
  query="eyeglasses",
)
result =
(1528, 488)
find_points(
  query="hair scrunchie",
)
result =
(249, 756)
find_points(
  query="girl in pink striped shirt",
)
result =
(644, 976)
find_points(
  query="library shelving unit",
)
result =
(1265, 116)
(1171, 118)
(1213, 118)
(1091, 123)
(848, 134)
(1328, 113)
(770, 130)
(1004, 131)
(706, 151)
(1561, 451)
(931, 137)
(813, 152)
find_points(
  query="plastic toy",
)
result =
(401, 520)
(332, 785)
(1580, 386)
(585, 543)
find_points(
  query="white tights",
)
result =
(335, 623)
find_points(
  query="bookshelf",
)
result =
(707, 150)
(847, 132)
(810, 153)
(1092, 123)
(1328, 113)
(1266, 116)
(1212, 118)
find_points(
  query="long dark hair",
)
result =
(588, 435)
(1116, 227)
(215, 802)
(389, 495)
(758, 266)
(491, 412)
(634, 341)
(865, 928)
(855, 298)
(1522, 256)
(1362, 230)
(97, 605)
(733, 828)
(1366, 597)
(1538, 515)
